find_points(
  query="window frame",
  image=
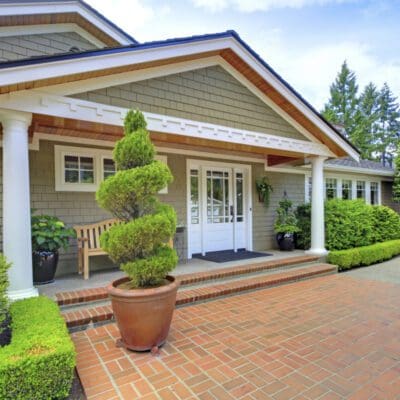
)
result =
(98, 156)
(339, 181)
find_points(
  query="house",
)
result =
(219, 116)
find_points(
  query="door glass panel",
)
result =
(194, 196)
(217, 197)
(239, 197)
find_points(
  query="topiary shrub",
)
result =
(138, 244)
(5, 331)
(39, 363)
(348, 224)
(386, 224)
(303, 215)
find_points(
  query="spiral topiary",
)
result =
(138, 243)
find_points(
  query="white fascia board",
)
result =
(66, 67)
(306, 169)
(49, 28)
(53, 69)
(67, 107)
(50, 7)
(292, 98)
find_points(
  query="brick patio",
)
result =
(333, 337)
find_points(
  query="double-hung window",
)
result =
(330, 188)
(347, 189)
(361, 190)
(374, 193)
(81, 169)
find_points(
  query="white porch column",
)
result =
(317, 207)
(17, 245)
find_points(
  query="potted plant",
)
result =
(144, 301)
(49, 234)
(285, 225)
(5, 318)
(264, 190)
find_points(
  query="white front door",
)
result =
(219, 208)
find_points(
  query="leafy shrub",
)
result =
(348, 224)
(39, 362)
(366, 255)
(49, 233)
(386, 224)
(303, 215)
(4, 266)
(138, 244)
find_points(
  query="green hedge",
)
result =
(39, 362)
(349, 224)
(366, 255)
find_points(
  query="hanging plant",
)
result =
(264, 190)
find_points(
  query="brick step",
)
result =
(100, 293)
(84, 316)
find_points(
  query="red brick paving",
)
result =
(85, 316)
(85, 295)
(334, 337)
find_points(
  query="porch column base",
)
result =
(22, 294)
(317, 252)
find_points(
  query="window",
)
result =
(330, 188)
(81, 169)
(360, 190)
(347, 189)
(108, 167)
(78, 169)
(374, 189)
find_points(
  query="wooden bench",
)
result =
(89, 242)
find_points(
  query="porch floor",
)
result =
(104, 277)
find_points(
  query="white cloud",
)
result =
(261, 5)
(128, 15)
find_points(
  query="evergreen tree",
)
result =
(342, 106)
(367, 121)
(388, 132)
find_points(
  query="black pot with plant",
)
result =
(286, 225)
(49, 234)
(5, 317)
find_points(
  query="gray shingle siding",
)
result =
(25, 46)
(207, 94)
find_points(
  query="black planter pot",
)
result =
(5, 331)
(285, 241)
(44, 266)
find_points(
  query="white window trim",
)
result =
(98, 156)
(353, 178)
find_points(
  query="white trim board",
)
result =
(87, 85)
(31, 72)
(59, 7)
(49, 28)
(67, 107)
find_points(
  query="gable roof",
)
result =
(229, 45)
(39, 12)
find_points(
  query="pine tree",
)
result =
(342, 106)
(388, 132)
(366, 121)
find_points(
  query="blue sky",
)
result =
(305, 41)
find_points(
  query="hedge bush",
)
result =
(349, 224)
(4, 266)
(39, 362)
(363, 256)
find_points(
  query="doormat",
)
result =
(230, 255)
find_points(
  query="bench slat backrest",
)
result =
(91, 233)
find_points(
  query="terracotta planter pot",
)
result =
(143, 315)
